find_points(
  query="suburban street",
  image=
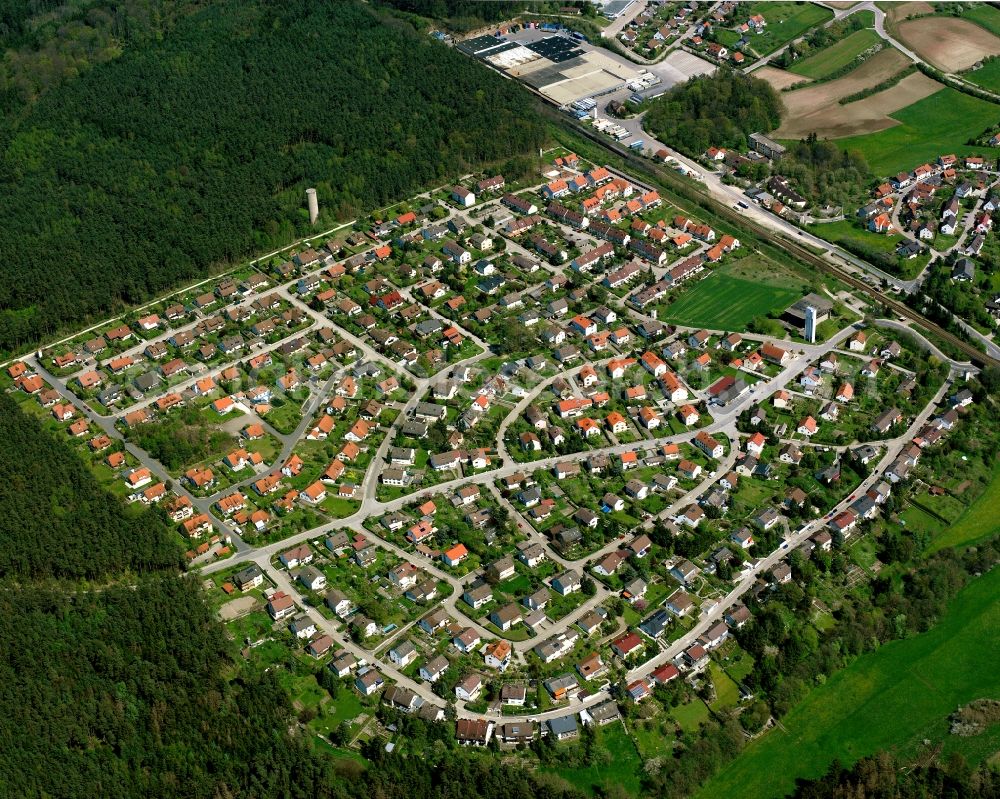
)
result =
(723, 424)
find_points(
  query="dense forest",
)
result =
(465, 15)
(458, 14)
(720, 110)
(47, 42)
(57, 521)
(195, 149)
(824, 173)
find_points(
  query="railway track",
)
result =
(704, 199)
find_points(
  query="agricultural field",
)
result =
(895, 12)
(816, 109)
(778, 78)
(727, 300)
(837, 56)
(949, 43)
(941, 123)
(984, 15)
(890, 699)
(785, 21)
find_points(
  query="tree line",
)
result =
(884, 776)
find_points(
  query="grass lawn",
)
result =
(862, 552)
(836, 56)
(987, 76)
(845, 230)
(983, 15)
(727, 303)
(727, 37)
(917, 520)
(518, 585)
(624, 769)
(941, 123)
(726, 692)
(977, 522)
(890, 699)
(303, 689)
(739, 665)
(345, 707)
(785, 21)
(285, 418)
(690, 715)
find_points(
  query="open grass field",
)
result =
(836, 56)
(941, 123)
(724, 302)
(977, 523)
(987, 76)
(816, 109)
(844, 231)
(624, 769)
(891, 699)
(785, 21)
(949, 43)
(985, 16)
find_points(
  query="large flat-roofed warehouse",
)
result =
(615, 8)
(483, 46)
(555, 66)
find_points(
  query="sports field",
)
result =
(836, 56)
(941, 123)
(724, 302)
(891, 699)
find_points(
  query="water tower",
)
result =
(810, 324)
(313, 202)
